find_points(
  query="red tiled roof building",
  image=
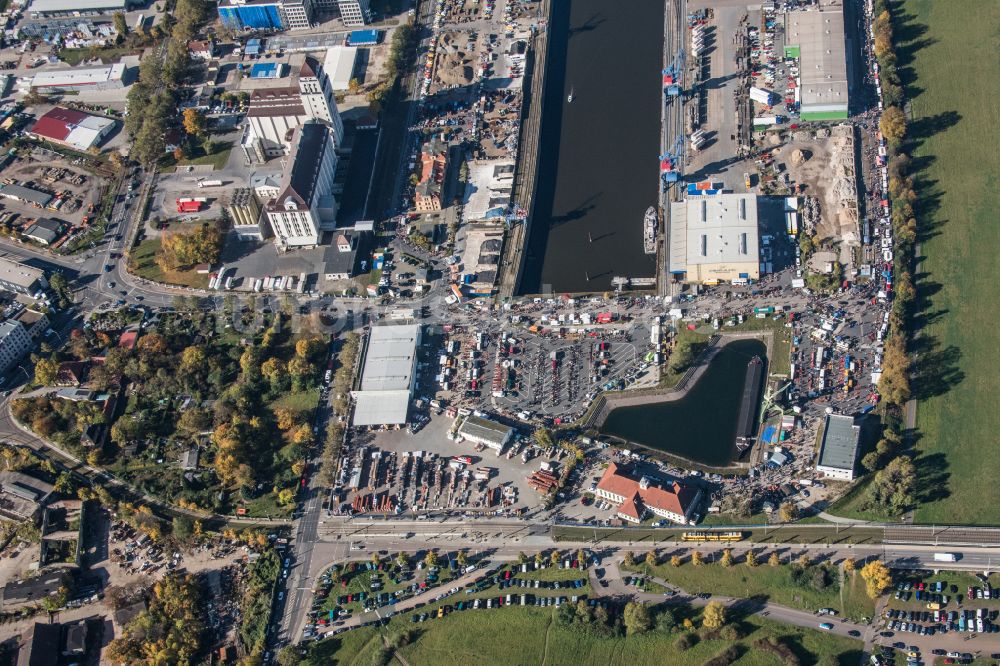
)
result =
(635, 497)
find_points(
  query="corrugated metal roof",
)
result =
(840, 442)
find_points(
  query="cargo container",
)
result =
(190, 204)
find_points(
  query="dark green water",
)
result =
(598, 167)
(701, 426)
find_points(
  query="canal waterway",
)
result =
(700, 426)
(598, 168)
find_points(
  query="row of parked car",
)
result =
(969, 620)
(541, 584)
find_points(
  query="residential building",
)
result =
(487, 432)
(388, 375)
(433, 167)
(274, 112)
(21, 278)
(204, 49)
(305, 206)
(15, 343)
(73, 129)
(675, 502)
(354, 12)
(22, 497)
(50, 81)
(35, 323)
(715, 238)
(838, 451)
(245, 214)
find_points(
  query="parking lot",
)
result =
(400, 471)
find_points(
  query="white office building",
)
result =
(354, 12)
(297, 14)
(305, 207)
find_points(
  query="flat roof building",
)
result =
(244, 212)
(339, 66)
(388, 375)
(80, 78)
(15, 343)
(486, 432)
(715, 238)
(252, 14)
(73, 129)
(838, 451)
(21, 278)
(47, 8)
(488, 190)
(354, 13)
(364, 37)
(816, 37)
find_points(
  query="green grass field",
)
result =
(531, 636)
(144, 265)
(952, 130)
(774, 583)
(302, 401)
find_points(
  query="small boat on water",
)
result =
(650, 223)
(569, 98)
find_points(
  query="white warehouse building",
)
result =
(388, 375)
(715, 238)
(838, 451)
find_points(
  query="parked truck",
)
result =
(190, 204)
(210, 183)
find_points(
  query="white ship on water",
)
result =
(650, 222)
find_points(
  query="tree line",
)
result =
(892, 489)
(152, 102)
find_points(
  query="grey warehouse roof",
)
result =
(389, 359)
(840, 442)
(25, 194)
(387, 377)
(476, 427)
(45, 6)
(819, 34)
(19, 274)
